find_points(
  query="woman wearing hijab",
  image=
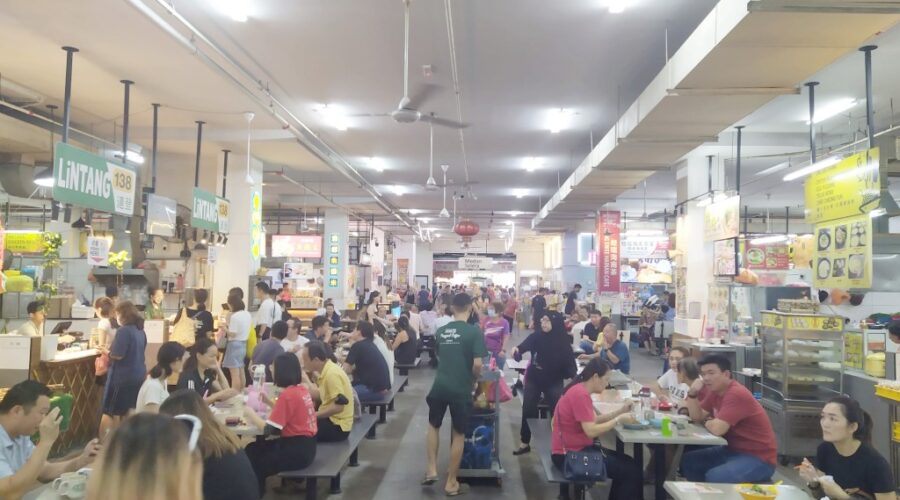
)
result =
(552, 362)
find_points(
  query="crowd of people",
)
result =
(159, 438)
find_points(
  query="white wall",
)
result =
(424, 262)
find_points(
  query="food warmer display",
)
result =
(802, 359)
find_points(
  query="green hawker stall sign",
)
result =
(87, 180)
(209, 212)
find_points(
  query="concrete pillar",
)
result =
(335, 258)
(239, 258)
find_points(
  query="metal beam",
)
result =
(733, 91)
(669, 141)
(824, 6)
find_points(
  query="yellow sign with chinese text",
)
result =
(803, 322)
(24, 242)
(845, 189)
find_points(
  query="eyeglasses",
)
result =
(195, 426)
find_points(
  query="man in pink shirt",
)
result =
(728, 409)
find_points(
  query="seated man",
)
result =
(332, 390)
(332, 316)
(612, 350)
(371, 377)
(25, 410)
(728, 409)
(319, 330)
(269, 349)
(591, 332)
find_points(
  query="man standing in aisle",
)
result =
(727, 409)
(538, 307)
(460, 347)
(265, 315)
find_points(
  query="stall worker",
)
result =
(24, 411)
(728, 409)
(332, 390)
(894, 332)
(34, 327)
(154, 309)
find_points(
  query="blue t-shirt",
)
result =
(621, 352)
(129, 345)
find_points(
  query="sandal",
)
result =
(429, 480)
(461, 490)
(522, 450)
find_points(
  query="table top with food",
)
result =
(685, 490)
(232, 412)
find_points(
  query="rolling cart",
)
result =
(481, 456)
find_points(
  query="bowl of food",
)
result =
(757, 491)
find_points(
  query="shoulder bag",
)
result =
(185, 330)
(585, 466)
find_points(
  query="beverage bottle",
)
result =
(666, 427)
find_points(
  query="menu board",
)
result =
(722, 219)
(295, 245)
(843, 256)
(725, 262)
(648, 271)
(845, 189)
(766, 257)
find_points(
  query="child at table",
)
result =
(293, 419)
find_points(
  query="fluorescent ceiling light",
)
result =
(809, 169)
(559, 119)
(237, 10)
(532, 163)
(398, 190)
(132, 156)
(519, 193)
(618, 6)
(45, 178)
(515, 213)
(335, 118)
(863, 170)
(643, 232)
(709, 200)
(832, 109)
(774, 238)
(771, 170)
(878, 212)
(426, 220)
(376, 164)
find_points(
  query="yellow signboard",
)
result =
(24, 242)
(823, 323)
(844, 190)
(843, 256)
(722, 219)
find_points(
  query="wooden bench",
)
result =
(385, 402)
(404, 369)
(540, 439)
(331, 457)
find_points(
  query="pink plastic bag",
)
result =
(505, 391)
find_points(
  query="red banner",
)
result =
(608, 251)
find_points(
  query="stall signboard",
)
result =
(97, 251)
(297, 246)
(24, 241)
(722, 219)
(803, 322)
(403, 272)
(846, 189)
(301, 271)
(209, 212)
(333, 269)
(212, 255)
(257, 238)
(608, 240)
(766, 256)
(725, 257)
(643, 247)
(87, 180)
(843, 256)
(476, 263)
(646, 271)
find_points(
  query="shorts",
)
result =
(459, 413)
(235, 352)
(119, 399)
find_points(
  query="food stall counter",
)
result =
(74, 370)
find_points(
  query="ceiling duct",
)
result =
(17, 175)
(18, 94)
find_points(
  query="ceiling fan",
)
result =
(408, 109)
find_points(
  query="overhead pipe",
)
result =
(127, 84)
(739, 128)
(67, 99)
(269, 102)
(709, 169)
(870, 104)
(812, 122)
(225, 171)
(197, 159)
(154, 147)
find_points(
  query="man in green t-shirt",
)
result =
(460, 347)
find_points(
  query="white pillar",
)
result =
(335, 256)
(236, 260)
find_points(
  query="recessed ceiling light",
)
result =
(333, 115)
(558, 119)
(832, 109)
(532, 163)
(237, 10)
(815, 167)
(398, 190)
(618, 6)
(519, 192)
(376, 163)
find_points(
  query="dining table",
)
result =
(234, 409)
(687, 490)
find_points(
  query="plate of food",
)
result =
(840, 236)
(824, 239)
(856, 269)
(757, 491)
(756, 256)
(823, 268)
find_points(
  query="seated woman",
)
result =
(169, 360)
(151, 457)
(406, 342)
(293, 419)
(668, 387)
(226, 469)
(576, 426)
(203, 374)
(856, 470)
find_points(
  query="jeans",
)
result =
(587, 346)
(718, 464)
(366, 394)
(624, 472)
(531, 396)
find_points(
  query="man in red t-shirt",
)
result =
(728, 409)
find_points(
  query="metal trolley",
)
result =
(482, 418)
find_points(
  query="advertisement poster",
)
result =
(257, 238)
(766, 257)
(680, 280)
(608, 239)
(644, 247)
(646, 271)
(722, 220)
(98, 251)
(24, 242)
(725, 261)
(844, 190)
(297, 246)
(843, 256)
(402, 272)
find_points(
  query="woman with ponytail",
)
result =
(576, 426)
(169, 360)
(847, 466)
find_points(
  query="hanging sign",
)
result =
(844, 190)
(209, 212)
(97, 251)
(722, 219)
(212, 255)
(608, 251)
(476, 263)
(91, 181)
(644, 247)
(257, 238)
(24, 242)
(334, 263)
(843, 256)
(402, 272)
(766, 256)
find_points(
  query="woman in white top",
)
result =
(670, 386)
(169, 360)
(237, 331)
(383, 347)
(104, 307)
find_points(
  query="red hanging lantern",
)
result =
(466, 228)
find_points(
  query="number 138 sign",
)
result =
(91, 181)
